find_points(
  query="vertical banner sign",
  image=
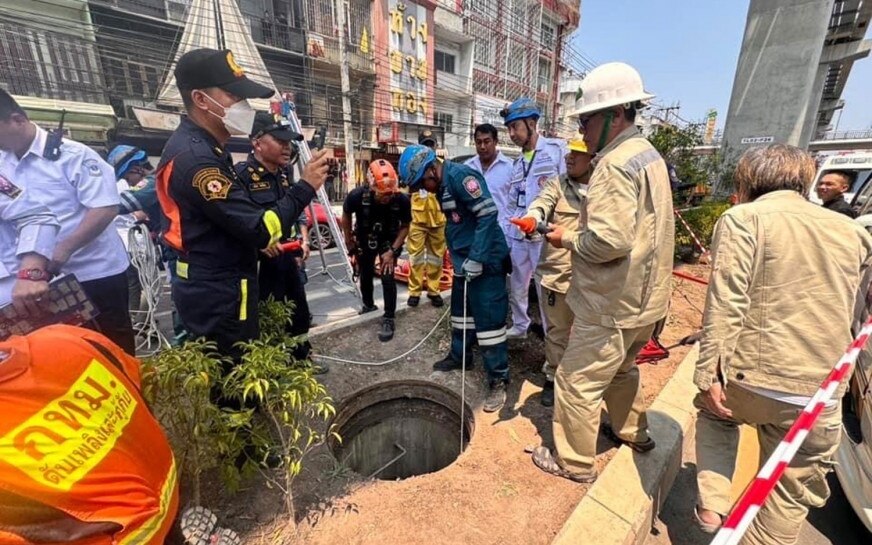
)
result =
(710, 122)
(409, 67)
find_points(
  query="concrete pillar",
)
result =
(779, 77)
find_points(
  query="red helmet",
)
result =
(383, 177)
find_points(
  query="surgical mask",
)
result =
(238, 119)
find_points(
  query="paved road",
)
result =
(834, 524)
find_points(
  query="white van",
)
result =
(858, 164)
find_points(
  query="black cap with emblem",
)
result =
(202, 68)
(426, 138)
(275, 125)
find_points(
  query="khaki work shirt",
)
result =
(622, 258)
(785, 274)
(561, 202)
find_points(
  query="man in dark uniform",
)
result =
(209, 217)
(265, 175)
(382, 217)
(831, 190)
(481, 261)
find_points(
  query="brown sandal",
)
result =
(544, 460)
(643, 447)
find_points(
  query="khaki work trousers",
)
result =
(804, 482)
(559, 318)
(426, 246)
(599, 365)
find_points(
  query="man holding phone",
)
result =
(209, 217)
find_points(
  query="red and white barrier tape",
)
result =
(752, 500)
(689, 230)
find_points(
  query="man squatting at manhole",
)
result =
(622, 264)
(381, 222)
(480, 257)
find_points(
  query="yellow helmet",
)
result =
(577, 144)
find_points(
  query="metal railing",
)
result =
(855, 134)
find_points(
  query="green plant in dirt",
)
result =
(702, 220)
(180, 385)
(676, 145)
(286, 394)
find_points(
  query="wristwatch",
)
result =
(34, 275)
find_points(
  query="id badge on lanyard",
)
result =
(522, 195)
(522, 198)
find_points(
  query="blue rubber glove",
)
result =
(471, 269)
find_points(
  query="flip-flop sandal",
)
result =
(643, 447)
(199, 526)
(543, 459)
(706, 527)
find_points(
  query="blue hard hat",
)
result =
(122, 157)
(522, 108)
(413, 162)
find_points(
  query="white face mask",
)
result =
(238, 119)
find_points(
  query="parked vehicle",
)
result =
(854, 456)
(322, 234)
(859, 164)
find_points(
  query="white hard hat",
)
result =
(608, 85)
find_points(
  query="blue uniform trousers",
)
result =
(488, 304)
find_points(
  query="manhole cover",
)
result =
(396, 430)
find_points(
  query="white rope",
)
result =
(380, 363)
(144, 256)
(463, 369)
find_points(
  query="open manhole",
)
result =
(400, 429)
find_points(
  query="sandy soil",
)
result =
(493, 494)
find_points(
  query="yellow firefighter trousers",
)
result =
(559, 317)
(804, 483)
(599, 365)
(426, 247)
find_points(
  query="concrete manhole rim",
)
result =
(359, 401)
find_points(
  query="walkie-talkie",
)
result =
(319, 138)
(52, 149)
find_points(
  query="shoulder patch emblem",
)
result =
(93, 168)
(212, 184)
(8, 188)
(471, 185)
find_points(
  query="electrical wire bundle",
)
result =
(145, 256)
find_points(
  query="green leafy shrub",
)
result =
(279, 397)
(702, 221)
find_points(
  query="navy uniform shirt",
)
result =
(473, 229)
(209, 217)
(374, 222)
(267, 188)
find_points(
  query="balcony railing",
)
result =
(453, 83)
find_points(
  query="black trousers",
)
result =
(221, 307)
(366, 265)
(280, 278)
(110, 296)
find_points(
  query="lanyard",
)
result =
(526, 167)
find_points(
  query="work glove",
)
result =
(471, 269)
(527, 225)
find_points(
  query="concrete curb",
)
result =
(620, 507)
(354, 321)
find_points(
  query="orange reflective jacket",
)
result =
(76, 436)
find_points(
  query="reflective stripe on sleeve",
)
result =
(273, 225)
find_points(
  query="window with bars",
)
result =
(127, 78)
(519, 17)
(484, 45)
(547, 36)
(446, 121)
(359, 15)
(319, 16)
(517, 62)
(482, 7)
(544, 76)
(49, 65)
(444, 61)
(153, 8)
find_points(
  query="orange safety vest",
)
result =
(77, 436)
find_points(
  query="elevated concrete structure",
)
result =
(795, 60)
